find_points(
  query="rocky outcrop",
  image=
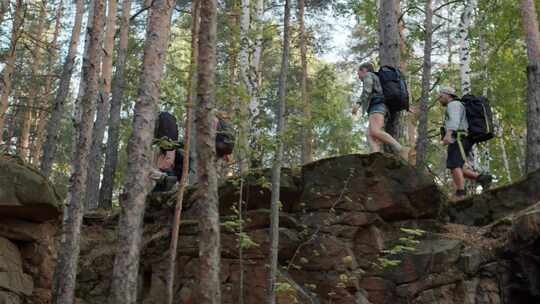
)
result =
(354, 229)
(28, 224)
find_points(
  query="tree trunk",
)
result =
(48, 89)
(247, 89)
(187, 144)
(389, 51)
(530, 25)
(66, 269)
(11, 56)
(464, 47)
(278, 158)
(113, 134)
(57, 110)
(138, 183)
(422, 140)
(103, 108)
(307, 137)
(207, 196)
(28, 111)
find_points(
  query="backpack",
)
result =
(480, 118)
(166, 127)
(225, 138)
(396, 94)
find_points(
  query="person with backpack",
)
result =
(455, 135)
(374, 103)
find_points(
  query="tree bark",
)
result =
(530, 25)
(207, 196)
(103, 108)
(11, 56)
(49, 149)
(278, 159)
(113, 134)
(256, 75)
(23, 142)
(66, 269)
(138, 183)
(307, 137)
(187, 144)
(422, 140)
(389, 51)
(464, 47)
(35, 154)
(247, 89)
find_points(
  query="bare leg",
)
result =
(470, 174)
(374, 144)
(459, 179)
(376, 125)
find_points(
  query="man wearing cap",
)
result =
(459, 145)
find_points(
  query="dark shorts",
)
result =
(377, 105)
(458, 152)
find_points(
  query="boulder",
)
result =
(25, 193)
(482, 209)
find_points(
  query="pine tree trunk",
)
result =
(422, 140)
(307, 137)
(29, 111)
(138, 183)
(464, 47)
(66, 269)
(389, 51)
(113, 134)
(530, 25)
(42, 115)
(11, 56)
(207, 196)
(278, 159)
(247, 89)
(57, 110)
(173, 251)
(103, 108)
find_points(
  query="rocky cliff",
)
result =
(29, 211)
(354, 229)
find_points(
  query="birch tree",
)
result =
(138, 183)
(57, 109)
(532, 34)
(278, 159)
(243, 107)
(464, 47)
(422, 140)
(207, 195)
(68, 257)
(103, 108)
(113, 134)
(11, 56)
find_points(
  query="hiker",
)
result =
(373, 103)
(170, 158)
(455, 135)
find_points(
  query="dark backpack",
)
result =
(166, 127)
(225, 138)
(396, 94)
(480, 117)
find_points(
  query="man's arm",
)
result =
(452, 123)
(367, 89)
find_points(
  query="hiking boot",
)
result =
(459, 195)
(485, 181)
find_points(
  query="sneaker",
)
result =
(485, 181)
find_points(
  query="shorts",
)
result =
(458, 152)
(377, 105)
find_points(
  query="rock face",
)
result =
(354, 229)
(28, 224)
